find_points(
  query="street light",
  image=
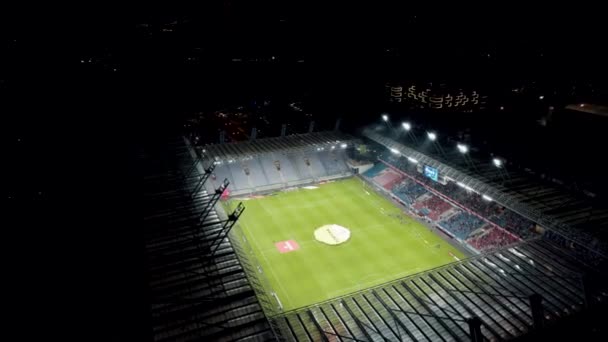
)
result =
(497, 162)
(432, 136)
(462, 148)
(406, 126)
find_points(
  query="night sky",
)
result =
(82, 89)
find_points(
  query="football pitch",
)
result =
(384, 244)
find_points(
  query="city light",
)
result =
(462, 148)
(406, 126)
(497, 162)
(384, 117)
(412, 160)
(395, 151)
(432, 136)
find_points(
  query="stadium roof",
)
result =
(545, 202)
(436, 305)
(193, 295)
(245, 149)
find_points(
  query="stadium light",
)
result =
(432, 136)
(333, 147)
(487, 198)
(497, 162)
(462, 185)
(406, 126)
(343, 145)
(384, 117)
(412, 160)
(462, 148)
(395, 151)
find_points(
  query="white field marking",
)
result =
(367, 192)
(426, 242)
(288, 245)
(455, 257)
(257, 246)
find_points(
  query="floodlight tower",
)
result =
(432, 136)
(499, 163)
(464, 150)
(388, 123)
(407, 127)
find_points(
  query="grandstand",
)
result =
(517, 272)
(275, 163)
(544, 202)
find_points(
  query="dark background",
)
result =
(73, 130)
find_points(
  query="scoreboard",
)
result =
(431, 172)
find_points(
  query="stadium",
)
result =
(326, 236)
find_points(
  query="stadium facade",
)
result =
(526, 271)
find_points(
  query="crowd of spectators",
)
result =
(375, 170)
(491, 210)
(492, 238)
(462, 224)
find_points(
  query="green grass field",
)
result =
(381, 248)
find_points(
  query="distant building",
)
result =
(435, 96)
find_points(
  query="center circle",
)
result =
(332, 234)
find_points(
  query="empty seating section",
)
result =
(462, 224)
(288, 170)
(222, 172)
(315, 166)
(238, 175)
(279, 169)
(434, 306)
(257, 173)
(267, 163)
(333, 162)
